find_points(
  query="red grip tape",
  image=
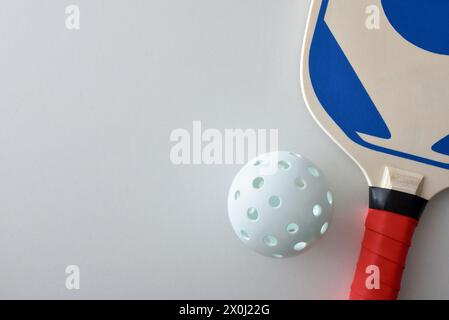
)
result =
(385, 245)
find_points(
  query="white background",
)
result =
(85, 175)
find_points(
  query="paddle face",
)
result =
(375, 75)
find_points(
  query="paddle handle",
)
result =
(385, 245)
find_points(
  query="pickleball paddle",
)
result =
(375, 76)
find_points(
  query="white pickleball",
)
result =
(280, 204)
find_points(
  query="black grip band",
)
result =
(396, 201)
